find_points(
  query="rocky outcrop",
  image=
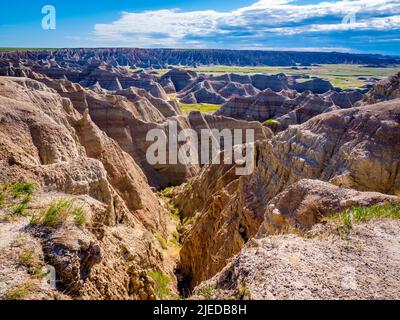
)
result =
(213, 91)
(63, 151)
(286, 107)
(315, 85)
(383, 90)
(276, 83)
(307, 202)
(180, 78)
(344, 99)
(321, 266)
(354, 148)
(302, 108)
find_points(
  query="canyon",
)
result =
(77, 192)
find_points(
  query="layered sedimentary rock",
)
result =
(354, 148)
(315, 85)
(163, 58)
(45, 140)
(344, 99)
(297, 266)
(180, 78)
(383, 90)
(286, 107)
(215, 90)
(274, 82)
(128, 115)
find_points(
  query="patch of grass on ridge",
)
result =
(202, 107)
(348, 218)
(58, 213)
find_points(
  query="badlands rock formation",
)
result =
(354, 148)
(128, 115)
(383, 90)
(287, 107)
(163, 58)
(307, 202)
(321, 266)
(74, 123)
(44, 139)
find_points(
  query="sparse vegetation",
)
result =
(15, 198)
(167, 192)
(163, 242)
(346, 219)
(79, 216)
(161, 285)
(21, 292)
(206, 292)
(202, 107)
(22, 189)
(2, 199)
(27, 258)
(22, 206)
(271, 122)
(39, 273)
(58, 213)
(243, 292)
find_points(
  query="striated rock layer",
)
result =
(45, 140)
(354, 148)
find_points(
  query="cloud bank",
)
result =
(263, 24)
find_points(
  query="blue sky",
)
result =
(309, 25)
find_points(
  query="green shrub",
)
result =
(167, 192)
(23, 205)
(161, 285)
(58, 213)
(22, 189)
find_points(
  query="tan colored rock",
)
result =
(362, 266)
(305, 203)
(354, 148)
(387, 89)
(43, 139)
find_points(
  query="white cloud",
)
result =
(173, 27)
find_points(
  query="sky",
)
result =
(359, 26)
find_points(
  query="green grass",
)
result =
(79, 216)
(22, 189)
(202, 107)
(163, 242)
(161, 285)
(15, 198)
(27, 258)
(2, 199)
(344, 76)
(27, 49)
(345, 220)
(21, 292)
(58, 213)
(271, 122)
